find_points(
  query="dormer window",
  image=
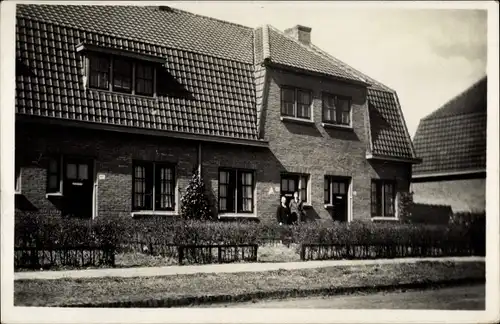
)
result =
(117, 71)
(336, 110)
(296, 103)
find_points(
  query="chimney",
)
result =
(300, 33)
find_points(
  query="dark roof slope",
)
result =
(453, 138)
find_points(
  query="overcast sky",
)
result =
(427, 55)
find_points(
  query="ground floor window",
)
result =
(383, 195)
(291, 183)
(153, 186)
(236, 191)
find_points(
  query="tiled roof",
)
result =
(388, 132)
(453, 138)
(170, 27)
(206, 95)
(287, 51)
(212, 72)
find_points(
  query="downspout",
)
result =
(199, 159)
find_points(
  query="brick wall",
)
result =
(113, 154)
(462, 195)
(319, 151)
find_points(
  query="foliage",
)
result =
(194, 202)
(405, 206)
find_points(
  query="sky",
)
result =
(427, 55)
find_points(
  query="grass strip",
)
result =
(182, 290)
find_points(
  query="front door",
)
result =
(340, 199)
(289, 184)
(78, 186)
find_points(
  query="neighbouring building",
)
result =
(452, 144)
(116, 106)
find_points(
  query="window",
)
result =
(144, 79)
(54, 175)
(122, 77)
(335, 186)
(336, 109)
(99, 72)
(236, 191)
(383, 198)
(296, 103)
(291, 183)
(153, 186)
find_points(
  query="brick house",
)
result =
(452, 143)
(117, 105)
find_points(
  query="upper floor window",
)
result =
(336, 109)
(121, 74)
(383, 194)
(296, 103)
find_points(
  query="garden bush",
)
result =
(56, 231)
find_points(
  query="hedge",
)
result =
(45, 231)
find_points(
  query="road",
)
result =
(453, 298)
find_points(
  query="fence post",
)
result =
(180, 253)
(302, 252)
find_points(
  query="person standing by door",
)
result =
(283, 212)
(296, 209)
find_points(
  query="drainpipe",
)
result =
(199, 159)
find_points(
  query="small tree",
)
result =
(195, 203)
(405, 206)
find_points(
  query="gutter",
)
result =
(370, 156)
(141, 131)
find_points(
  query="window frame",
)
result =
(299, 177)
(134, 80)
(296, 103)
(337, 111)
(378, 207)
(122, 74)
(58, 173)
(236, 188)
(152, 185)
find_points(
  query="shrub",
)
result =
(405, 206)
(195, 203)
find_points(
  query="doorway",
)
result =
(337, 195)
(78, 186)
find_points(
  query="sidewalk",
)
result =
(221, 268)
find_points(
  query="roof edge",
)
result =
(403, 121)
(451, 175)
(371, 156)
(141, 131)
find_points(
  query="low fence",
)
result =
(49, 257)
(343, 251)
(204, 254)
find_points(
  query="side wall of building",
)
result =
(462, 195)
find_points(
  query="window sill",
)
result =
(336, 126)
(105, 91)
(237, 215)
(153, 213)
(385, 218)
(328, 206)
(297, 120)
(53, 194)
(306, 205)
(18, 193)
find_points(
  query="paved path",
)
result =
(221, 268)
(452, 298)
